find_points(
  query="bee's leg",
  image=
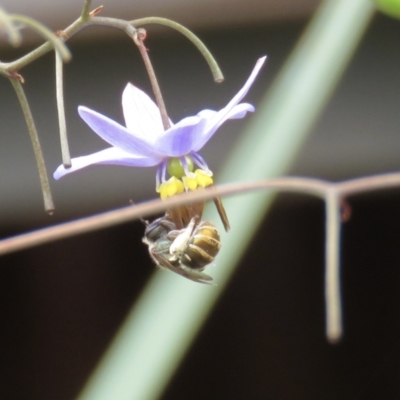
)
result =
(168, 225)
(180, 243)
(172, 235)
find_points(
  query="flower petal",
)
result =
(231, 110)
(239, 111)
(182, 137)
(243, 91)
(236, 112)
(141, 114)
(117, 135)
(208, 114)
(112, 155)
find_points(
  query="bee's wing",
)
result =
(188, 273)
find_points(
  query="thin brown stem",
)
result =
(138, 38)
(369, 183)
(308, 186)
(212, 63)
(111, 218)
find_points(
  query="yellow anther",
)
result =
(170, 188)
(193, 181)
(203, 178)
(190, 182)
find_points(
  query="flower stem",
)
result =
(44, 180)
(85, 9)
(61, 113)
(138, 38)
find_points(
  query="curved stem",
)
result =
(369, 183)
(44, 180)
(41, 50)
(59, 46)
(68, 32)
(215, 70)
(126, 26)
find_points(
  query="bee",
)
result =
(186, 251)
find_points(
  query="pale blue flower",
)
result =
(144, 143)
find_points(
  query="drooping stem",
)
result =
(58, 44)
(333, 301)
(67, 33)
(138, 38)
(61, 113)
(44, 180)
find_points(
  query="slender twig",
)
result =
(138, 38)
(39, 51)
(308, 186)
(334, 325)
(369, 183)
(44, 180)
(215, 70)
(61, 113)
(111, 218)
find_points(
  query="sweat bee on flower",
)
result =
(180, 241)
(187, 251)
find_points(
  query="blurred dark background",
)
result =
(62, 303)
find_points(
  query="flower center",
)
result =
(183, 177)
(178, 168)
